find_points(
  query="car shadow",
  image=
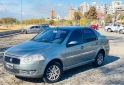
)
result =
(70, 73)
(116, 39)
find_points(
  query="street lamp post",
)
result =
(42, 17)
(21, 14)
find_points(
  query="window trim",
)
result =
(84, 35)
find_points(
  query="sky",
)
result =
(41, 8)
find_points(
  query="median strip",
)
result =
(9, 33)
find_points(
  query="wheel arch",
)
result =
(100, 49)
(53, 60)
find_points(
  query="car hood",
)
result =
(29, 48)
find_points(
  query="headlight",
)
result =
(33, 58)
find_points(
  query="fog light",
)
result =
(25, 72)
(28, 71)
(32, 72)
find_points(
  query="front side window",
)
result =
(89, 35)
(76, 36)
(37, 26)
(52, 35)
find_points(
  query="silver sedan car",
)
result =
(56, 50)
(35, 29)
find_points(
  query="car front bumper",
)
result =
(32, 70)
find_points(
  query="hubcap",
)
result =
(53, 72)
(100, 59)
(121, 32)
(109, 30)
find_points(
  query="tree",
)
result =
(77, 15)
(70, 22)
(8, 20)
(91, 14)
(108, 18)
(51, 22)
(83, 21)
(121, 17)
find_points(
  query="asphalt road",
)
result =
(112, 72)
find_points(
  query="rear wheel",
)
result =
(109, 30)
(99, 59)
(53, 72)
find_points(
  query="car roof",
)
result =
(69, 27)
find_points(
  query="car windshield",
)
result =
(52, 36)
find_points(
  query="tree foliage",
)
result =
(33, 21)
(51, 22)
(77, 15)
(83, 21)
(108, 18)
(8, 20)
(91, 14)
(121, 17)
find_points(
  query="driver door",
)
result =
(73, 52)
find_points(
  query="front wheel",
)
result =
(121, 32)
(99, 59)
(52, 73)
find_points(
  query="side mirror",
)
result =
(72, 43)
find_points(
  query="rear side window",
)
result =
(89, 35)
(37, 26)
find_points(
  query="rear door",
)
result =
(37, 29)
(90, 44)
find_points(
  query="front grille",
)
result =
(12, 60)
(12, 70)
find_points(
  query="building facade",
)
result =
(115, 6)
(52, 14)
(71, 13)
(84, 7)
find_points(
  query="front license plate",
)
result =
(10, 66)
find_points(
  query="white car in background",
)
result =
(121, 30)
(112, 28)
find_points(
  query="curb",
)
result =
(9, 33)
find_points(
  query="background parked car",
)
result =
(94, 27)
(112, 28)
(35, 29)
(120, 30)
(44, 26)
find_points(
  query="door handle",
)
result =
(82, 47)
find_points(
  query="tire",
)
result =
(50, 78)
(99, 59)
(25, 32)
(121, 32)
(109, 30)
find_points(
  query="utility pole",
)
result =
(21, 14)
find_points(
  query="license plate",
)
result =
(10, 66)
